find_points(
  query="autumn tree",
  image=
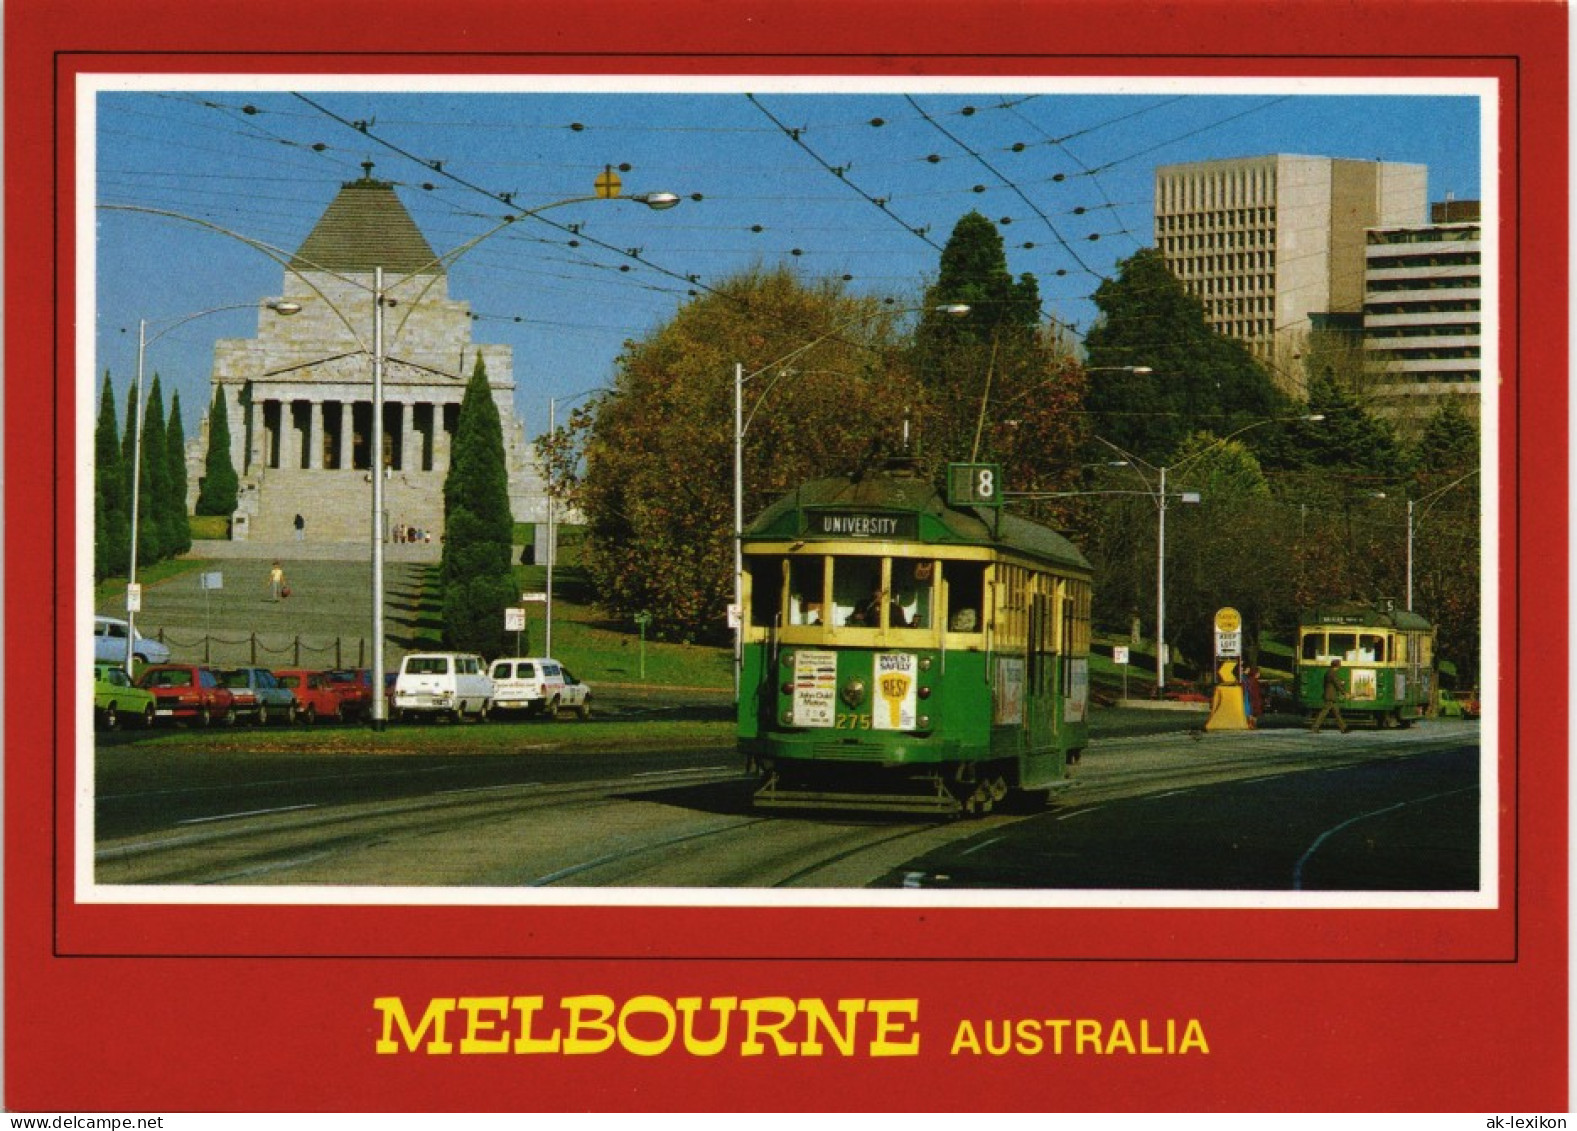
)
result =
(219, 488)
(476, 572)
(649, 461)
(111, 506)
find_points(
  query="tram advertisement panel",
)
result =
(1145, 923)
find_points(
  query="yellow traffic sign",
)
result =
(1228, 620)
(608, 183)
(1227, 673)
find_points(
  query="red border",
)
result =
(1379, 1010)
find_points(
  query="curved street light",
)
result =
(133, 602)
(658, 201)
(737, 613)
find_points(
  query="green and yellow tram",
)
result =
(901, 653)
(1387, 662)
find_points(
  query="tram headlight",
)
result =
(923, 722)
(925, 663)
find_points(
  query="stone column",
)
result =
(346, 412)
(400, 430)
(315, 436)
(441, 438)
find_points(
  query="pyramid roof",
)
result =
(366, 226)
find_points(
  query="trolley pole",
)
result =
(739, 519)
(1160, 589)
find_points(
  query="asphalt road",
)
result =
(1276, 809)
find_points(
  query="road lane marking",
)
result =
(1080, 812)
(1297, 870)
(248, 813)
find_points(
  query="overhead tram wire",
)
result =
(1007, 183)
(880, 203)
(922, 232)
(691, 282)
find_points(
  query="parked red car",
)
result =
(354, 686)
(189, 692)
(317, 697)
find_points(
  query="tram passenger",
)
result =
(869, 612)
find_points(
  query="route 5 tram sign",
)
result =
(974, 485)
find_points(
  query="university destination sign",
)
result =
(865, 524)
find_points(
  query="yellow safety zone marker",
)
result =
(1227, 709)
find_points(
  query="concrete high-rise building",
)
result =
(1422, 317)
(299, 394)
(1267, 243)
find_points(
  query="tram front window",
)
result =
(913, 582)
(806, 598)
(766, 589)
(856, 592)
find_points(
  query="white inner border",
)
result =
(89, 86)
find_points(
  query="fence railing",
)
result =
(268, 649)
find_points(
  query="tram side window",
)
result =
(806, 598)
(1371, 648)
(966, 592)
(766, 589)
(854, 582)
(913, 583)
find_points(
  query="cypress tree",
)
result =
(476, 571)
(111, 507)
(219, 488)
(176, 515)
(152, 528)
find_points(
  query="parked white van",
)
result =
(538, 685)
(454, 684)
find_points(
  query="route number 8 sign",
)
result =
(974, 485)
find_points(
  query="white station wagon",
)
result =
(538, 685)
(451, 684)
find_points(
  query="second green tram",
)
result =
(1387, 662)
(899, 653)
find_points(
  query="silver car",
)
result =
(109, 644)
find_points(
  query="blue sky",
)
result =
(865, 184)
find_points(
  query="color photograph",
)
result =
(717, 561)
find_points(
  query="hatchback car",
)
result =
(109, 644)
(187, 692)
(257, 696)
(354, 686)
(538, 685)
(117, 701)
(316, 696)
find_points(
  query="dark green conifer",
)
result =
(111, 507)
(219, 488)
(476, 571)
(178, 523)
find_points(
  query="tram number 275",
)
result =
(854, 722)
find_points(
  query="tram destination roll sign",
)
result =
(865, 524)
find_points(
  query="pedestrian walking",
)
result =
(1332, 699)
(301, 529)
(276, 581)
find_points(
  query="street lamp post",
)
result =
(607, 189)
(1415, 515)
(143, 342)
(1160, 497)
(955, 310)
(657, 201)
